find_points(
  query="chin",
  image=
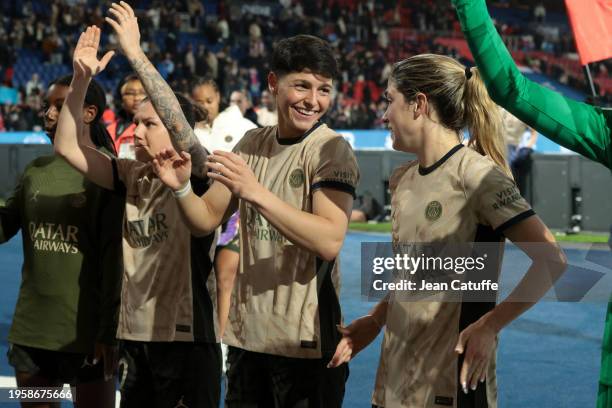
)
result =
(142, 155)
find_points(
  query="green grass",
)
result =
(385, 227)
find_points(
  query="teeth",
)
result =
(305, 111)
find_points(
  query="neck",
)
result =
(437, 141)
(285, 132)
(85, 137)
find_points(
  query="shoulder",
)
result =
(480, 175)
(399, 172)
(328, 143)
(253, 139)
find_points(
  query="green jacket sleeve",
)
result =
(111, 261)
(10, 214)
(575, 125)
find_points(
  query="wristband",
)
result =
(183, 191)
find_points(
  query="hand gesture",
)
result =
(355, 337)
(109, 356)
(231, 170)
(173, 170)
(477, 343)
(125, 24)
(85, 59)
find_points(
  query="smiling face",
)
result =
(400, 120)
(302, 98)
(150, 135)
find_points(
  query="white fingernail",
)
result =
(464, 386)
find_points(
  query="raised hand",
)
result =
(85, 59)
(125, 24)
(173, 170)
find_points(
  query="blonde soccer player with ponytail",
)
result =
(437, 354)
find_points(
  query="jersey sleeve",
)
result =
(111, 261)
(577, 126)
(335, 167)
(494, 195)
(10, 214)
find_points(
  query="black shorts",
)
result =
(257, 380)
(162, 374)
(57, 366)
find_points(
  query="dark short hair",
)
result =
(304, 52)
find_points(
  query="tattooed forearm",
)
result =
(169, 110)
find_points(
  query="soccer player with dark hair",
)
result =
(65, 321)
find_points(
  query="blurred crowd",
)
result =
(229, 41)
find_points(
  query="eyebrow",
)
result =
(144, 119)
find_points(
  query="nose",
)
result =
(385, 117)
(51, 113)
(139, 97)
(311, 98)
(139, 132)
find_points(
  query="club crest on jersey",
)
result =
(433, 210)
(296, 179)
(228, 139)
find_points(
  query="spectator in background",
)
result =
(34, 83)
(130, 92)
(196, 12)
(266, 112)
(242, 99)
(366, 208)
(512, 131)
(190, 63)
(166, 66)
(223, 129)
(521, 162)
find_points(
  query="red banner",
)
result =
(592, 25)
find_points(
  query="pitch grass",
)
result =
(385, 227)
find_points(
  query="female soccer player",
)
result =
(582, 128)
(436, 353)
(294, 184)
(169, 352)
(65, 320)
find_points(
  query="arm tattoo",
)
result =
(169, 110)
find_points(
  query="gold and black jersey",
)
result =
(463, 198)
(285, 299)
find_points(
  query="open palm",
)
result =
(85, 60)
(173, 170)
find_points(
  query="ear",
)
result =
(89, 114)
(273, 83)
(421, 105)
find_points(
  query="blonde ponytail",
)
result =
(459, 97)
(484, 121)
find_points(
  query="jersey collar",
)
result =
(423, 171)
